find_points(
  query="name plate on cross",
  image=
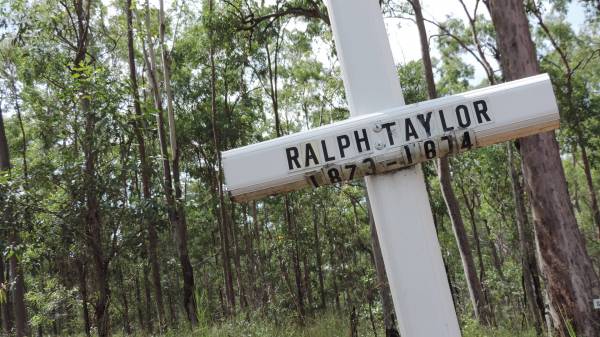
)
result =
(390, 140)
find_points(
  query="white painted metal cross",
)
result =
(385, 141)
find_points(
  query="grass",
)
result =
(324, 325)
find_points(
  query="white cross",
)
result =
(385, 141)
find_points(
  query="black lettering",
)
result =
(343, 143)
(426, 122)
(325, 153)
(481, 110)
(310, 155)
(364, 139)
(443, 120)
(463, 123)
(466, 141)
(292, 157)
(371, 166)
(408, 154)
(334, 175)
(352, 168)
(387, 127)
(410, 129)
(429, 147)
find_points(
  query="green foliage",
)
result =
(273, 60)
(471, 328)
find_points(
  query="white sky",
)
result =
(403, 34)
(404, 37)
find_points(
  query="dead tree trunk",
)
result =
(570, 278)
(480, 305)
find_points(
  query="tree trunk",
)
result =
(293, 226)
(18, 290)
(145, 170)
(125, 303)
(15, 266)
(93, 223)
(306, 284)
(237, 261)
(336, 289)
(526, 244)
(353, 323)
(180, 230)
(570, 278)
(480, 306)
(319, 258)
(138, 302)
(251, 264)
(4, 307)
(4, 166)
(494, 251)
(15, 271)
(260, 254)
(176, 215)
(82, 273)
(148, 302)
(4, 154)
(272, 68)
(569, 72)
(223, 216)
(172, 310)
(389, 317)
(590, 184)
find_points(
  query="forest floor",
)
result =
(327, 325)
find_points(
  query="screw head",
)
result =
(377, 127)
(379, 145)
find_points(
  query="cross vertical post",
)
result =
(399, 200)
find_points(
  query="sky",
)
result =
(404, 36)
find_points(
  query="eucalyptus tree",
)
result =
(170, 160)
(475, 39)
(571, 280)
(145, 169)
(568, 61)
(10, 226)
